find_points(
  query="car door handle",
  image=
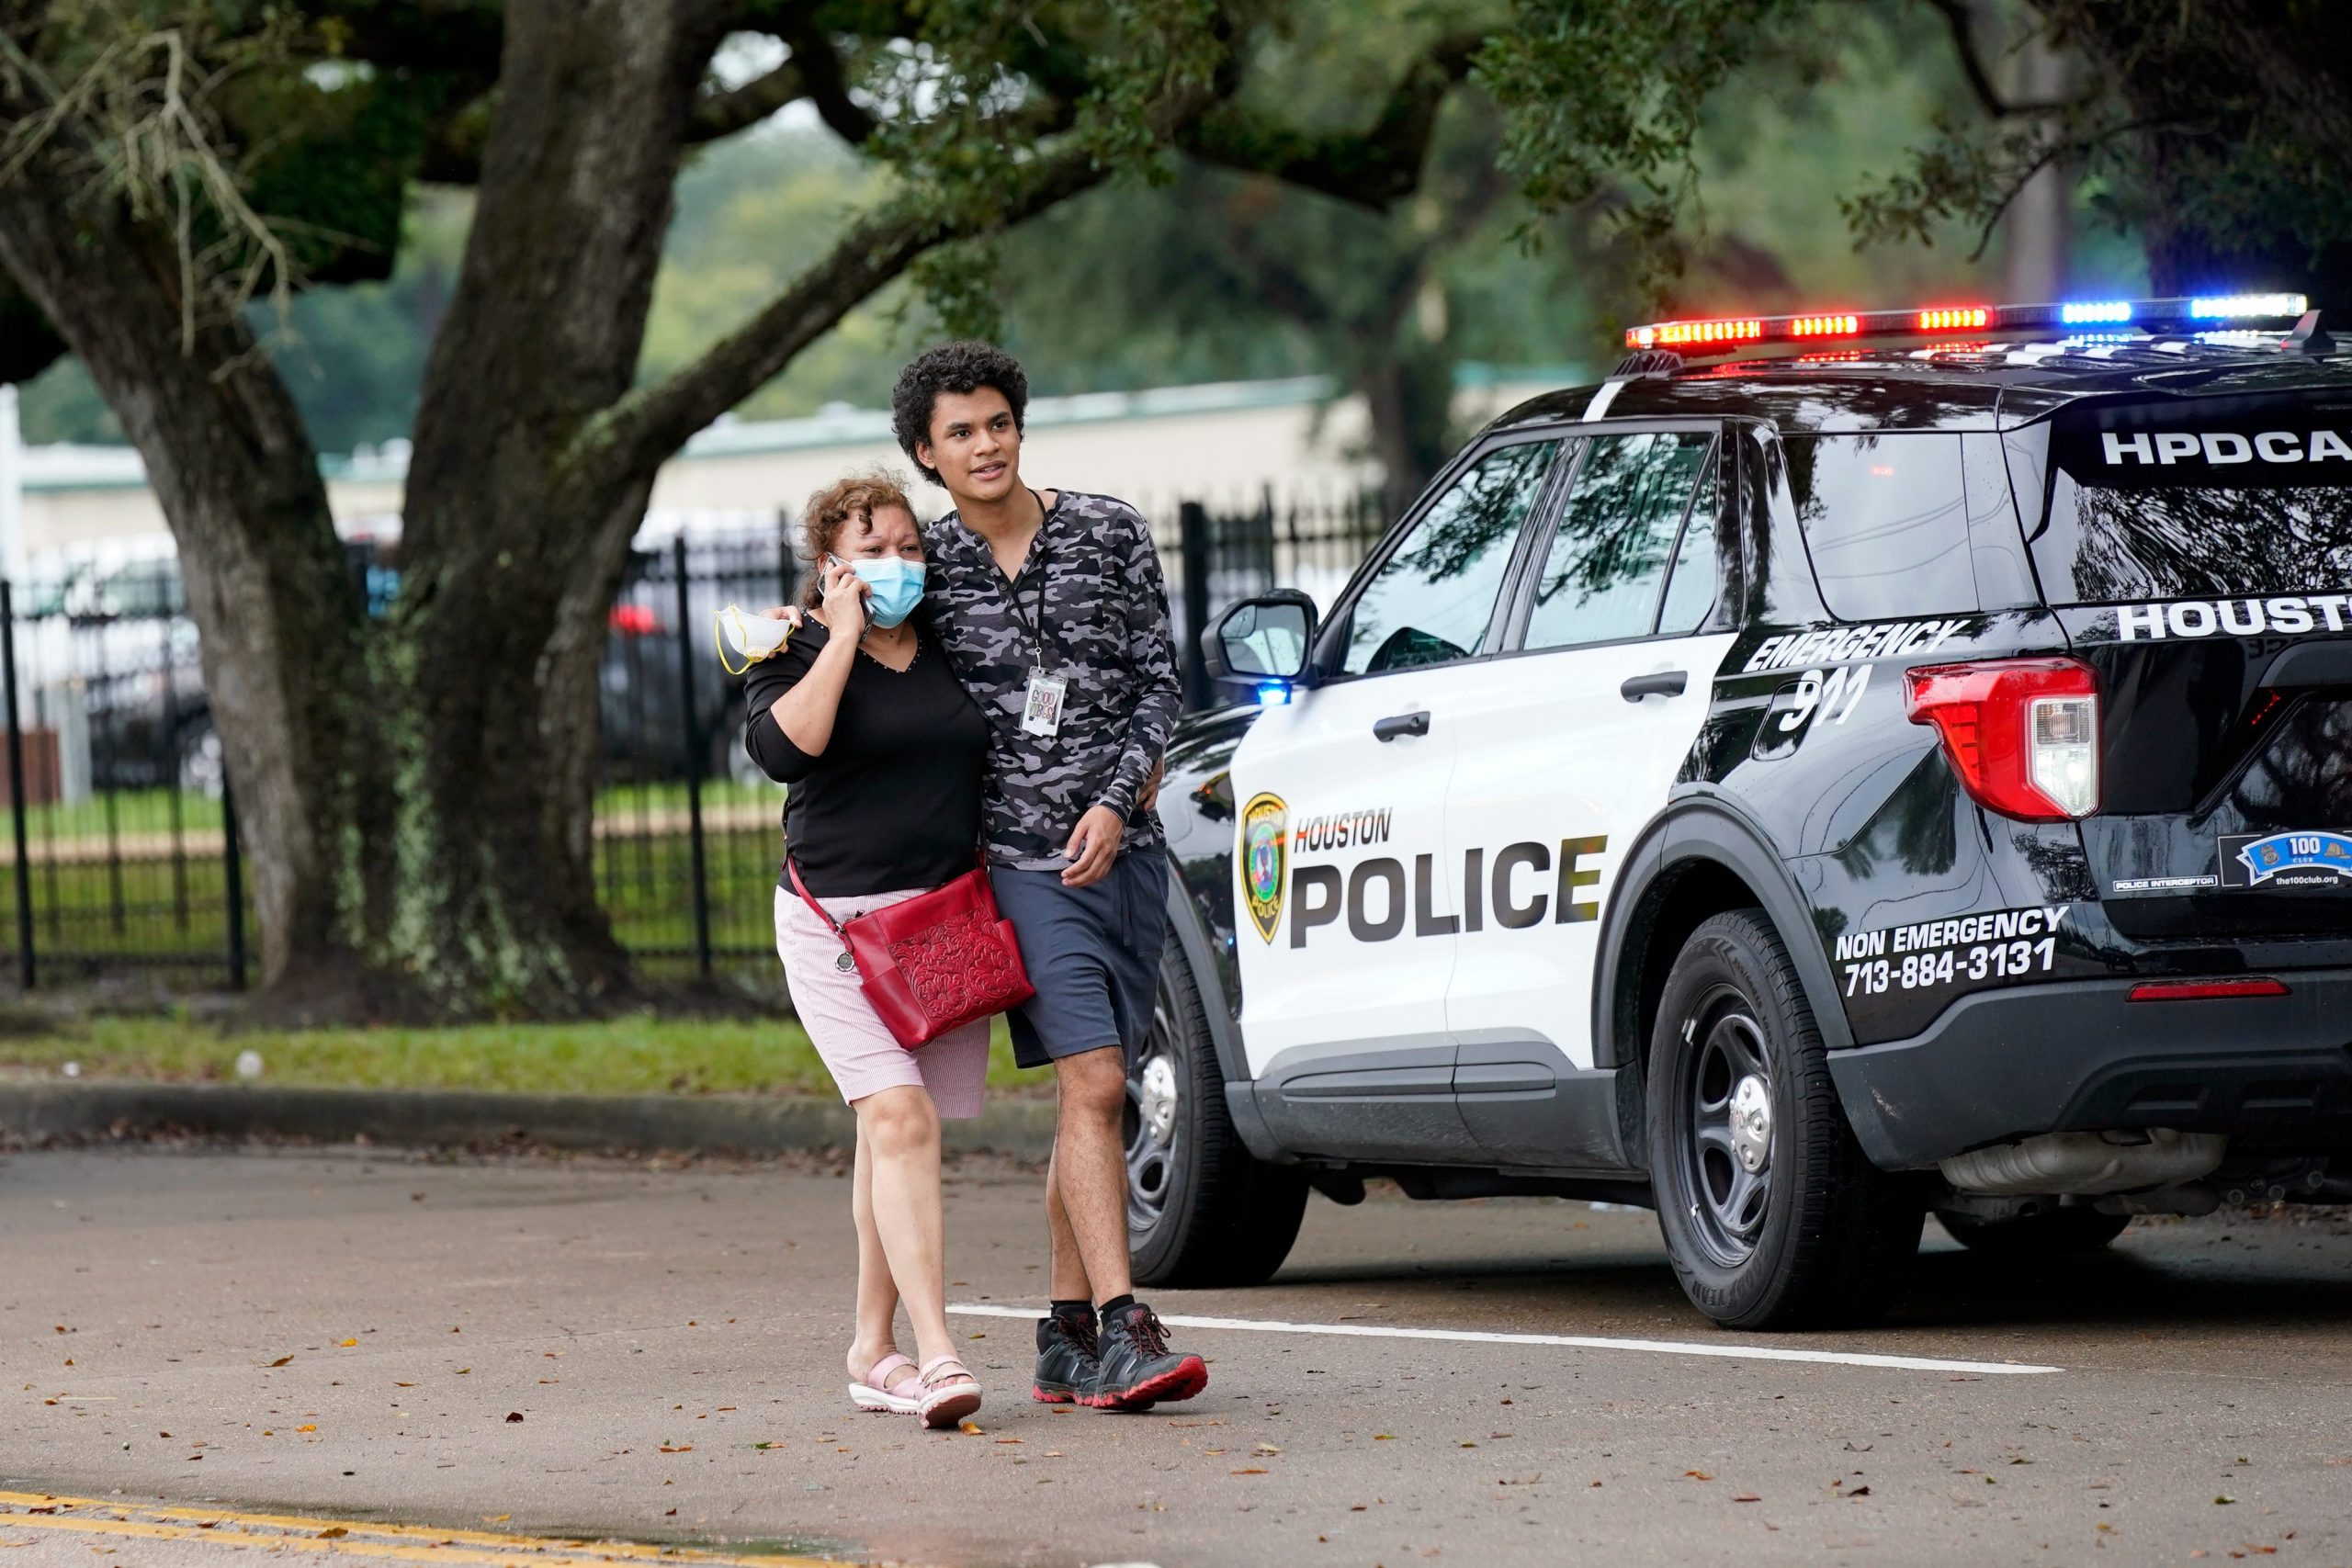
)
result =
(1399, 724)
(1665, 683)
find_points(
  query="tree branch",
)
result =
(1373, 170)
(641, 431)
(2057, 147)
(722, 114)
(824, 82)
(1959, 16)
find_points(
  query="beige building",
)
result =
(1228, 443)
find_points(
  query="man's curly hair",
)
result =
(951, 367)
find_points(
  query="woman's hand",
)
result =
(843, 602)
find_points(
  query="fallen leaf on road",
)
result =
(1253, 1471)
(1383, 1437)
(307, 1426)
(680, 1449)
(1860, 1492)
(2221, 1497)
(462, 1371)
(1746, 1497)
(767, 1445)
(1008, 1439)
(281, 1360)
(347, 1344)
(403, 1385)
(1698, 1476)
(513, 1416)
(974, 1427)
(331, 1532)
(1265, 1449)
(496, 1518)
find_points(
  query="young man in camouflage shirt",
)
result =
(1051, 607)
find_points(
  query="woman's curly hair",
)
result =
(831, 511)
(951, 367)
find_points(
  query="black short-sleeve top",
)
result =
(893, 802)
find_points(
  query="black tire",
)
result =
(1202, 1210)
(2048, 1233)
(1813, 1234)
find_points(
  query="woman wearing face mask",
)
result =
(862, 716)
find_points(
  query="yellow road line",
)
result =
(298, 1521)
(409, 1543)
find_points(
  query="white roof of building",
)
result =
(78, 467)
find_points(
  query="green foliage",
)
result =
(1600, 94)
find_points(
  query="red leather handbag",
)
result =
(935, 962)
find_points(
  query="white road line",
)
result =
(1571, 1341)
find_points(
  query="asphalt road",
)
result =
(279, 1346)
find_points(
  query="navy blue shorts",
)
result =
(1092, 952)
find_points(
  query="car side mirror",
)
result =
(1262, 641)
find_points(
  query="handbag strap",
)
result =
(980, 863)
(797, 886)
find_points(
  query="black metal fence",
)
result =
(124, 855)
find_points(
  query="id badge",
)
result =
(1043, 713)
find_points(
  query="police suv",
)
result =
(1839, 767)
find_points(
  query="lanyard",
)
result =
(1034, 624)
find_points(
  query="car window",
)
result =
(1432, 598)
(1691, 587)
(2249, 498)
(1886, 521)
(1616, 536)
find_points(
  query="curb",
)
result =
(38, 1114)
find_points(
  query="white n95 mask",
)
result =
(754, 638)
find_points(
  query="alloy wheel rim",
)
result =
(1151, 1125)
(1728, 1123)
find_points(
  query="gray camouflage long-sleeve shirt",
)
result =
(1105, 631)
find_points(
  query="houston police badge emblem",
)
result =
(1265, 845)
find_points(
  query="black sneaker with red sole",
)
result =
(1134, 1367)
(1066, 1372)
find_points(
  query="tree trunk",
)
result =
(282, 631)
(416, 796)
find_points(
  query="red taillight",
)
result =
(2204, 990)
(2021, 733)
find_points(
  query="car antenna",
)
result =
(2309, 337)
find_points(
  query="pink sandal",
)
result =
(873, 1391)
(950, 1393)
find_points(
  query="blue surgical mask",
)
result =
(895, 589)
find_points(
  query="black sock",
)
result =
(1082, 1311)
(1115, 1303)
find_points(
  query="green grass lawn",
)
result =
(644, 1055)
(151, 811)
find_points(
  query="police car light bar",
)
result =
(2198, 314)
